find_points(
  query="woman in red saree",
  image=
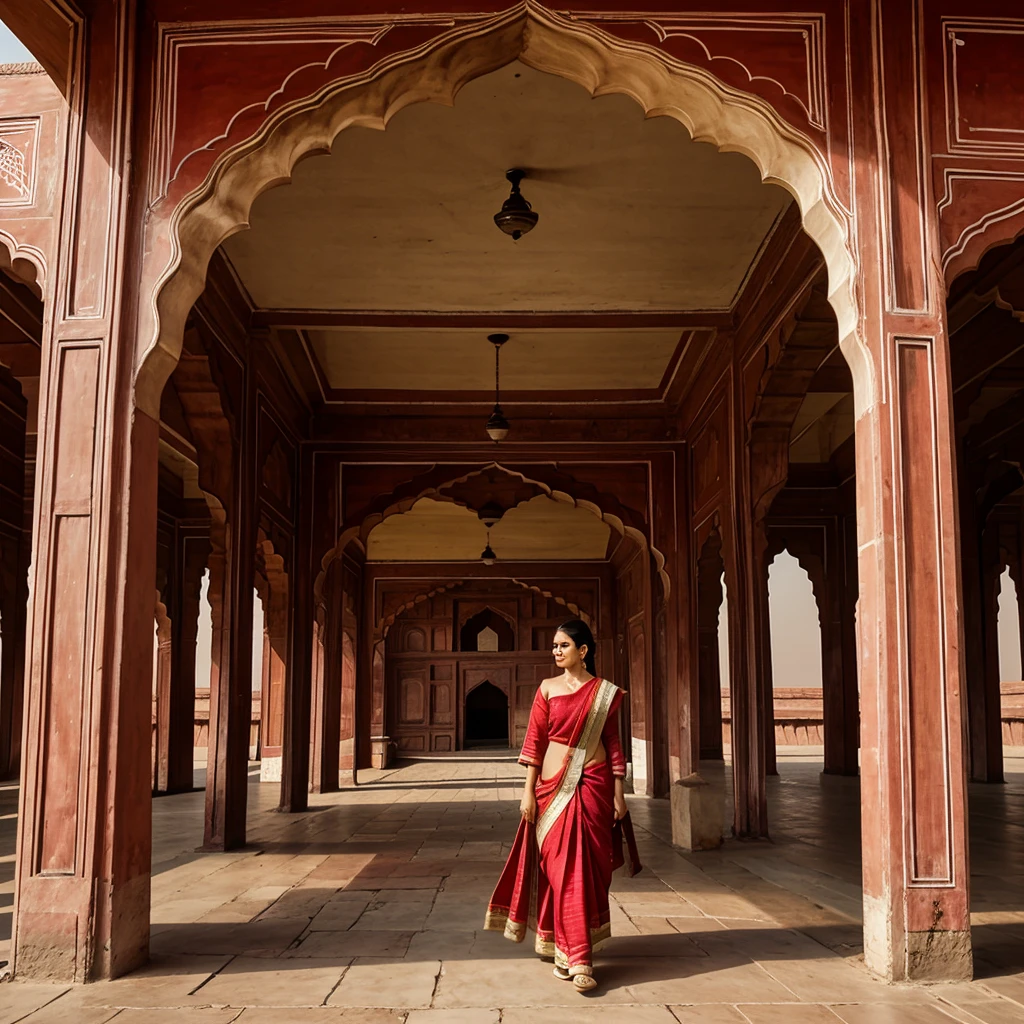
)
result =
(557, 877)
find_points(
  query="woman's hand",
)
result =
(621, 810)
(528, 806)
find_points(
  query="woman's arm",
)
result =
(621, 810)
(536, 741)
(528, 805)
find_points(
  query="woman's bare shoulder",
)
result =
(547, 684)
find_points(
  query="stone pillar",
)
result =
(232, 544)
(13, 589)
(176, 691)
(161, 686)
(83, 859)
(298, 692)
(347, 732)
(984, 700)
(913, 792)
(364, 702)
(275, 673)
(760, 468)
(765, 676)
(327, 684)
(709, 679)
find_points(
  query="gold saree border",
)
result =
(596, 718)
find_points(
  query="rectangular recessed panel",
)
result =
(925, 666)
(64, 695)
(64, 675)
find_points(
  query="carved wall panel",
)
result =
(984, 84)
(19, 139)
(709, 447)
(930, 857)
(778, 56)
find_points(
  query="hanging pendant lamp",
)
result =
(497, 425)
(487, 556)
(516, 217)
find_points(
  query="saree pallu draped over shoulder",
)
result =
(557, 876)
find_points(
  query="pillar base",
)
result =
(381, 751)
(929, 956)
(696, 814)
(270, 769)
(939, 956)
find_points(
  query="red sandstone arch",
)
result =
(181, 241)
(433, 484)
(968, 240)
(383, 627)
(26, 263)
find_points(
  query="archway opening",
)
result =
(486, 717)
(487, 631)
(798, 718)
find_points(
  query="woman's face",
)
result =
(567, 654)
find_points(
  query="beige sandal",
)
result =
(583, 977)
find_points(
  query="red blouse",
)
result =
(552, 720)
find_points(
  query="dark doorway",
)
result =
(486, 717)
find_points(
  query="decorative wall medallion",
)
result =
(18, 139)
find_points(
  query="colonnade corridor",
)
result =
(369, 906)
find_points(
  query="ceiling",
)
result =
(532, 360)
(636, 221)
(633, 214)
(540, 529)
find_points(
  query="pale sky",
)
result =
(11, 50)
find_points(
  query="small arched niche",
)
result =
(487, 631)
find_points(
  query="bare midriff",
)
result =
(554, 757)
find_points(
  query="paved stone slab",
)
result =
(257, 981)
(19, 999)
(390, 983)
(370, 911)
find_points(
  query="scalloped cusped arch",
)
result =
(710, 111)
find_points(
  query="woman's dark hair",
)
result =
(579, 633)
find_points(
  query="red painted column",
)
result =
(298, 691)
(987, 723)
(709, 677)
(176, 700)
(327, 683)
(840, 697)
(232, 558)
(913, 792)
(83, 860)
(13, 595)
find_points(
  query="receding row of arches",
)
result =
(281, 453)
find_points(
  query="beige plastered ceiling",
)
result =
(634, 216)
(540, 529)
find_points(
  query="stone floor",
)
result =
(368, 909)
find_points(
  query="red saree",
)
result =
(557, 877)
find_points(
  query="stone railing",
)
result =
(201, 723)
(799, 718)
